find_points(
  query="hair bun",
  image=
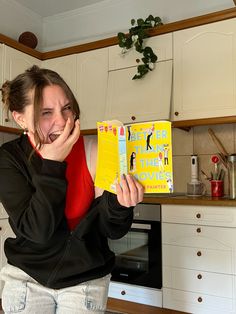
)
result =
(5, 92)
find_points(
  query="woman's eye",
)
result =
(46, 113)
(67, 108)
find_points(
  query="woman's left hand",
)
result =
(129, 191)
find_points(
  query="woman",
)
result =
(59, 261)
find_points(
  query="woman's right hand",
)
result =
(62, 146)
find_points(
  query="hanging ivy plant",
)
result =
(135, 38)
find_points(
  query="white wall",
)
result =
(107, 18)
(15, 19)
(98, 21)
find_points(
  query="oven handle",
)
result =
(141, 226)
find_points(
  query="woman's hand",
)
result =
(61, 147)
(129, 191)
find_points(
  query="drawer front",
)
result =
(136, 294)
(192, 302)
(214, 284)
(202, 215)
(3, 213)
(199, 236)
(199, 259)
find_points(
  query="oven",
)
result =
(138, 253)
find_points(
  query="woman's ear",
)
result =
(19, 118)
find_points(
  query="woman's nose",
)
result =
(60, 118)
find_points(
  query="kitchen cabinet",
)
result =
(66, 67)
(15, 62)
(199, 258)
(1, 78)
(204, 71)
(5, 232)
(137, 294)
(92, 75)
(144, 99)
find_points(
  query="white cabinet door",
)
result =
(66, 68)
(15, 63)
(145, 99)
(1, 78)
(5, 232)
(92, 74)
(205, 71)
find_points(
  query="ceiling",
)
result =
(53, 7)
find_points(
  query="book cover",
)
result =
(142, 149)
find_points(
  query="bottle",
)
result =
(232, 175)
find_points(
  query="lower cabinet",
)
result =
(199, 258)
(137, 294)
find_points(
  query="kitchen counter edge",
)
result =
(185, 200)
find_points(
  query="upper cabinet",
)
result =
(66, 67)
(15, 62)
(205, 71)
(144, 99)
(92, 75)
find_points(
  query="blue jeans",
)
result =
(23, 294)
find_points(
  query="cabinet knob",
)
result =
(133, 118)
(199, 230)
(176, 113)
(123, 292)
(198, 215)
(199, 276)
(6, 120)
(199, 299)
(199, 253)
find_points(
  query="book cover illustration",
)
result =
(141, 149)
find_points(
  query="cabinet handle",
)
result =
(123, 292)
(6, 120)
(199, 299)
(133, 118)
(199, 230)
(198, 215)
(176, 113)
(199, 253)
(199, 276)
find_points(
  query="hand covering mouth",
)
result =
(54, 135)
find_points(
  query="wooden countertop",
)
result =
(187, 200)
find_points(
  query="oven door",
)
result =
(138, 255)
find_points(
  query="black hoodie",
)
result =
(32, 190)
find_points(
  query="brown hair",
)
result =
(16, 93)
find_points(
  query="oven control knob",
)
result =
(123, 292)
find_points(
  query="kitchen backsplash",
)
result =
(185, 143)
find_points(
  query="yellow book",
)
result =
(142, 149)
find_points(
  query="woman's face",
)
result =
(55, 111)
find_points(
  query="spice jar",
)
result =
(232, 175)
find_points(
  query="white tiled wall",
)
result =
(198, 141)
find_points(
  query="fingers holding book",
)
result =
(129, 191)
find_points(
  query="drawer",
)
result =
(211, 283)
(197, 303)
(199, 236)
(199, 259)
(3, 213)
(161, 45)
(202, 215)
(136, 294)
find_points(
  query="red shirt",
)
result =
(80, 188)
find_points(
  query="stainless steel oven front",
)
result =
(138, 253)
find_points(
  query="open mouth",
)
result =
(54, 135)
